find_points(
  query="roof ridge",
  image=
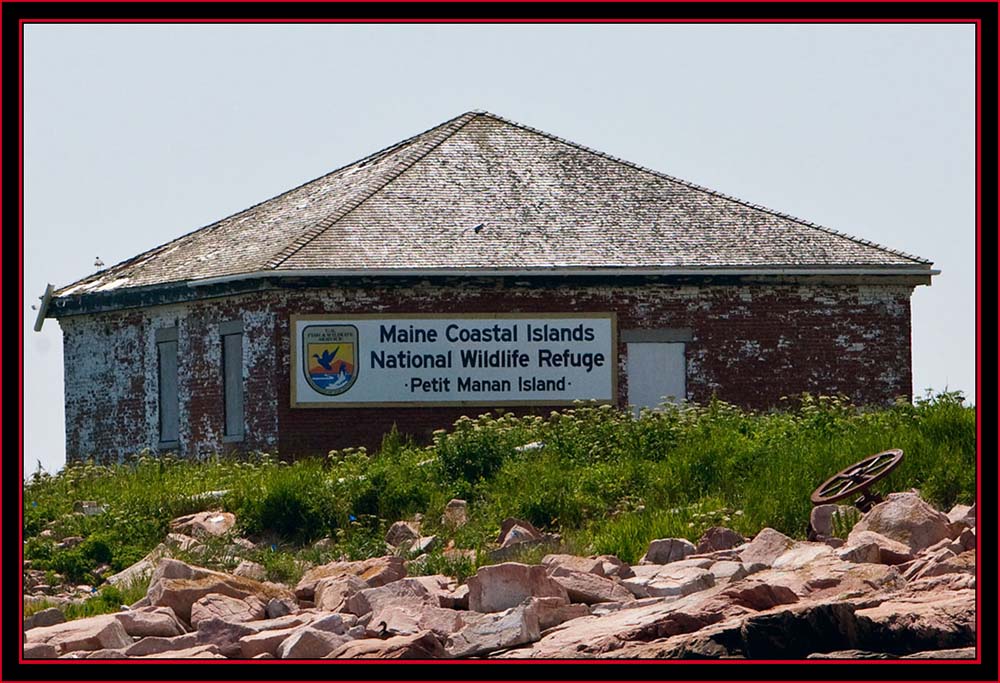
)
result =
(707, 190)
(445, 131)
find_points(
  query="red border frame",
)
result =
(977, 22)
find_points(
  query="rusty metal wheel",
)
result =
(857, 478)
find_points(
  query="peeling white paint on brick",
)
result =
(742, 348)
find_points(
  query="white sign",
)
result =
(483, 359)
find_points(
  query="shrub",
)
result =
(295, 502)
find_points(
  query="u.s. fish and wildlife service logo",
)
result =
(329, 356)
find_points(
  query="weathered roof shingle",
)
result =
(542, 203)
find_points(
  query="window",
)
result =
(656, 366)
(166, 354)
(232, 378)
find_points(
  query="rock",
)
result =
(821, 518)
(377, 571)
(553, 611)
(151, 621)
(665, 580)
(801, 554)
(402, 532)
(424, 645)
(907, 519)
(103, 654)
(251, 570)
(965, 541)
(264, 642)
(408, 617)
(334, 623)
(178, 585)
(331, 594)
(849, 654)
(589, 588)
(45, 617)
(424, 544)
(459, 598)
(488, 633)
(912, 623)
(759, 595)
(141, 570)
(799, 631)
(227, 635)
(714, 641)
(310, 643)
(866, 552)
(613, 567)
(70, 542)
(728, 569)
(324, 543)
(280, 607)
(527, 529)
(444, 589)
(223, 634)
(184, 542)
(455, 514)
(226, 608)
(766, 547)
(92, 633)
(718, 538)
(39, 651)
(500, 587)
(517, 541)
(959, 653)
(943, 562)
(202, 524)
(403, 590)
(961, 518)
(666, 550)
(597, 635)
(692, 561)
(579, 564)
(196, 652)
(152, 645)
(944, 582)
(517, 535)
(890, 552)
(958, 512)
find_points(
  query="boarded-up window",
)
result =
(656, 369)
(232, 376)
(166, 351)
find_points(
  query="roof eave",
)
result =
(574, 271)
(168, 293)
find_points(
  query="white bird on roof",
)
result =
(98, 262)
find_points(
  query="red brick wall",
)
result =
(751, 345)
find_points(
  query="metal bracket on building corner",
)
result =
(43, 308)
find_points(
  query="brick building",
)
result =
(574, 275)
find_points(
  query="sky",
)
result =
(136, 134)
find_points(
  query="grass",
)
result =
(106, 600)
(607, 482)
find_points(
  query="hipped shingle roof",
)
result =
(480, 192)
